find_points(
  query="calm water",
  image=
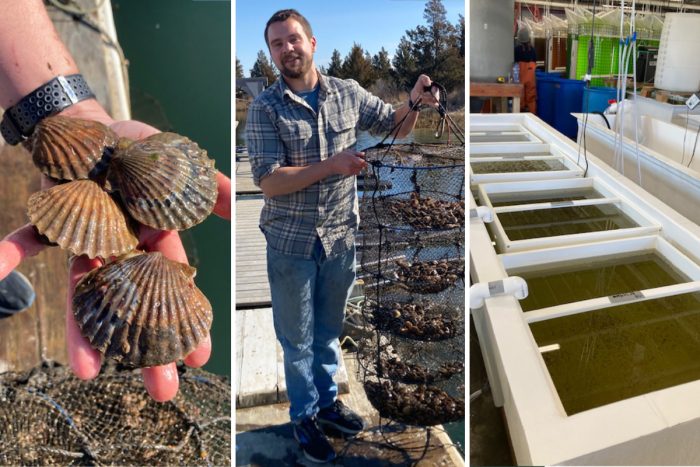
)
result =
(620, 352)
(573, 282)
(524, 225)
(180, 75)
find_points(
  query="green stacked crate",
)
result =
(606, 45)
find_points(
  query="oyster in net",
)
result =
(143, 310)
(81, 217)
(166, 181)
(69, 148)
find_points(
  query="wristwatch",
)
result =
(61, 92)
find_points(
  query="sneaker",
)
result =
(16, 294)
(312, 441)
(340, 417)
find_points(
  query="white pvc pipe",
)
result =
(484, 213)
(513, 285)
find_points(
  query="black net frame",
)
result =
(412, 263)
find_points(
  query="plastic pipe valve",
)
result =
(513, 285)
(484, 213)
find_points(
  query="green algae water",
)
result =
(574, 281)
(488, 167)
(179, 57)
(524, 225)
(544, 196)
(612, 354)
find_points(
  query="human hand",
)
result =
(161, 381)
(427, 97)
(347, 162)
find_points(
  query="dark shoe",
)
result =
(312, 441)
(341, 418)
(16, 294)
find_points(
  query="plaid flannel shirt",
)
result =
(283, 130)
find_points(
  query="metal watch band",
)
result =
(19, 121)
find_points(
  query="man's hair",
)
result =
(284, 15)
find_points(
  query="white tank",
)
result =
(678, 65)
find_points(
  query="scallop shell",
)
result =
(81, 217)
(166, 181)
(144, 310)
(69, 148)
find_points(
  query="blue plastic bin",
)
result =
(596, 99)
(545, 94)
(568, 98)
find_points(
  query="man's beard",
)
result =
(304, 67)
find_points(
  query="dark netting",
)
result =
(49, 417)
(411, 250)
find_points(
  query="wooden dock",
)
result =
(259, 363)
(264, 437)
(244, 176)
(252, 288)
(38, 333)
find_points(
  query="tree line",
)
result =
(435, 48)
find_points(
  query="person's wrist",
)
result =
(88, 109)
(328, 166)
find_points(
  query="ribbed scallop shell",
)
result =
(81, 217)
(166, 181)
(69, 148)
(144, 310)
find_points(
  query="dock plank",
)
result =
(39, 332)
(264, 433)
(261, 367)
(252, 287)
(258, 376)
(244, 178)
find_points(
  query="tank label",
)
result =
(561, 204)
(496, 287)
(626, 297)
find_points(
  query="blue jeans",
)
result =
(308, 307)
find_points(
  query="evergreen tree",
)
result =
(239, 69)
(358, 67)
(461, 36)
(262, 68)
(336, 66)
(382, 65)
(405, 64)
(437, 47)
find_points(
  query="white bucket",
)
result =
(678, 65)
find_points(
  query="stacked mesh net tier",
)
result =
(48, 416)
(411, 250)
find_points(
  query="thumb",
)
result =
(16, 246)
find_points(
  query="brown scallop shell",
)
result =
(69, 148)
(166, 181)
(143, 310)
(81, 217)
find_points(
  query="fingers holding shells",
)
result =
(144, 310)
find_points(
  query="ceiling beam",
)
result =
(669, 5)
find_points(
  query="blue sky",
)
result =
(336, 24)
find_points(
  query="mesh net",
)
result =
(412, 263)
(49, 417)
